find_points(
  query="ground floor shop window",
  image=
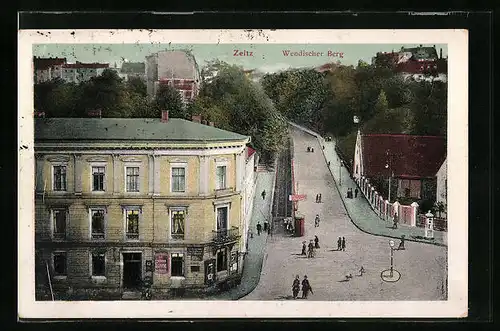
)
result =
(177, 265)
(59, 264)
(222, 260)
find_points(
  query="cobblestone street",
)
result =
(422, 266)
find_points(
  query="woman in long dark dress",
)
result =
(296, 287)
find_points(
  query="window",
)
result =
(59, 223)
(177, 267)
(97, 225)
(59, 264)
(59, 178)
(178, 179)
(195, 268)
(222, 218)
(132, 174)
(178, 218)
(98, 264)
(98, 178)
(221, 177)
(222, 260)
(132, 223)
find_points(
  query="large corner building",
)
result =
(121, 201)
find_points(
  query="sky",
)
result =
(264, 57)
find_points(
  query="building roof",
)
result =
(410, 156)
(250, 152)
(133, 68)
(42, 63)
(422, 53)
(140, 129)
(80, 65)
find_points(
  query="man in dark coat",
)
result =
(402, 243)
(310, 251)
(316, 242)
(263, 195)
(304, 247)
(306, 287)
(339, 244)
(356, 191)
(259, 228)
(343, 243)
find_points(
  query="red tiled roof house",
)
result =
(413, 161)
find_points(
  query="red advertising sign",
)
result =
(297, 197)
(161, 263)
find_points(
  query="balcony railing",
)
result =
(224, 191)
(226, 235)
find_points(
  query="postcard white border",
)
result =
(455, 306)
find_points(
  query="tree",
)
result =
(105, 92)
(168, 98)
(238, 104)
(137, 85)
(382, 105)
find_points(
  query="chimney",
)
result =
(211, 123)
(164, 116)
(196, 118)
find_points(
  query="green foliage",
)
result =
(168, 98)
(235, 103)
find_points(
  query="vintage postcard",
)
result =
(242, 173)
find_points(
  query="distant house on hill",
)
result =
(134, 69)
(419, 63)
(412, 161)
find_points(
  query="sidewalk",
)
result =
(252, 264)
(360, 210)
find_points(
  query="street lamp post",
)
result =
(388, 166)
(391, 244)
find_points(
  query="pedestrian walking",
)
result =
(310, 251)
(308, 149)
(316, 242)
(361, 271)
(316, 221)
(339, 244)
(320, 197)
(317, 198)
(356, 191)
(263, 195)
(306, 288)
(328, 163)
(296, 287)
(343, 243)
(402, 243)
(304, 247)
(395, 221)
(259, 228)
(268, 230)
(266, 225)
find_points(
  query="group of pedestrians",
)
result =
(341, 244)
(349, 193)
(306, 287)
(310, 149)
(309, 250)
(267, 227)
(319, 198)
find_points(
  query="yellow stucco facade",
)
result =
(206, 252)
